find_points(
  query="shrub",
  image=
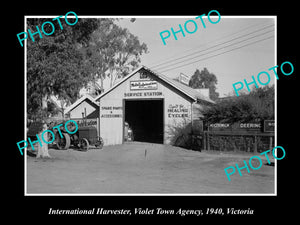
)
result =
(182, 136)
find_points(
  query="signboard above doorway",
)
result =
(143, 85)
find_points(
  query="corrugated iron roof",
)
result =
(188, 91)
(184, 88)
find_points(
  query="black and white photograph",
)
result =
(142, 107)
(162, 105)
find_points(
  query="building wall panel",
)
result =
(77, 112)
(177, 107)
(111, 120)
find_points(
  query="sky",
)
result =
(229, 33)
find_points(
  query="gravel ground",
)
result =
(144, 168)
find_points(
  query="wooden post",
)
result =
(255, 144)
(84, 116)
(204, 141)
(208, 147)
(270, 144)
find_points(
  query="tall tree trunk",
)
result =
(43, 151)
(111, 77)
(101, 84)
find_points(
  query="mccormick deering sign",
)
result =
(219, 127)
(238, 126)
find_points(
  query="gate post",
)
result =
(255, 144)
(270, 143)
(208, 147)
(204, 141)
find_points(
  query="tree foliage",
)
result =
(257, 105)
(64, 62)
(114, 51)
(205, 79)
(55, 64)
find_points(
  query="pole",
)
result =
(84, 116)
(255, 144)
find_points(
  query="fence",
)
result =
(237, 141)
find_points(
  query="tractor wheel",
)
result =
(84, 144)
(63, 143)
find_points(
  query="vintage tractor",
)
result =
(83, 138)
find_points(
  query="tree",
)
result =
(257, 105)
(56, 66)
(64, 62)
(205, 79)
(114, 52)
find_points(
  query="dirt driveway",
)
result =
(143, 168)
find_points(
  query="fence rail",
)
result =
(238, 141)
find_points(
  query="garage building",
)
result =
(151, 103)
(85, 111)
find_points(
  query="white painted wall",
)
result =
(177, 108)
(77, 111)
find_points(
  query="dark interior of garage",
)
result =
(145, 118)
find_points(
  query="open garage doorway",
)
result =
(145, 118)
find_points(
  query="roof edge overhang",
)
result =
(76, 103)
(158, 75)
